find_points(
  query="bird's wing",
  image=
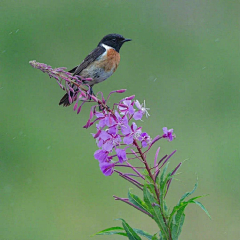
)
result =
(91, 57)
(73, 70)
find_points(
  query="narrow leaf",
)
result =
(143, 233)
(112, 231)
(188, 193)
(161, 237)
(130, 232)
(180, 203)
(155, 210)
(163, 191)
(163, 174)
(151, 188)
(177, 216)
(177, 210)
(148, 178)
(134, 199)
(154, 237)
(203, 208)
(176, 227)
(162, 184)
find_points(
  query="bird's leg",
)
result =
(91, 92)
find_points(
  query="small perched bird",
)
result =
(100, 64)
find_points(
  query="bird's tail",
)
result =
(65, 100)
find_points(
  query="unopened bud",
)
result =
(121, 90)
(79, 109)
(75, 106)
(130, 98)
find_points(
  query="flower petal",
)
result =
(128, 139)
(101, 155)
(104, 135)
(108, 146)
(138, 115)
(122, 156)
(107, 168)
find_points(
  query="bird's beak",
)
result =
(126, 40)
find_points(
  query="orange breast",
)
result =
(110, 61)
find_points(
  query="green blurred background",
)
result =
(183, 60)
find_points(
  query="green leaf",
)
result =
(163, 190)
(112, 231)
(177, 228)
(151, 188)
(178, 221)
(154, 237)
(177, 216)
(163, 183)
(143, 233)
(132, 235)
(203, 208)
(145, 173)
(161, 237)
(180, 205)
(148, 178)
(163, 174)
(134, 199)
(188, 193)
(155, 210)
(165, 207)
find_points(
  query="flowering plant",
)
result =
(120, 140)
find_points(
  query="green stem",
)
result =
(155, 186)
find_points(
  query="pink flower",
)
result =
(145, 139)
(126, 107)
(101, 155)
(107, 168)
(142, 110)
(135, 133)
(168, 133)
(121, 153)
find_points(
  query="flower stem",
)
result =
(155, 185)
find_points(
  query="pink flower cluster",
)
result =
(118, 135)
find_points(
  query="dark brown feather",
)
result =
(65, 100)
(91, 57)
(73, 70)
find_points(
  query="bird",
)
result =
(99, 64)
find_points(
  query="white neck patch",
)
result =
(106, 46)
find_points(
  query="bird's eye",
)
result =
(114, 39)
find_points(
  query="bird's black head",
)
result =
(114, 40)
